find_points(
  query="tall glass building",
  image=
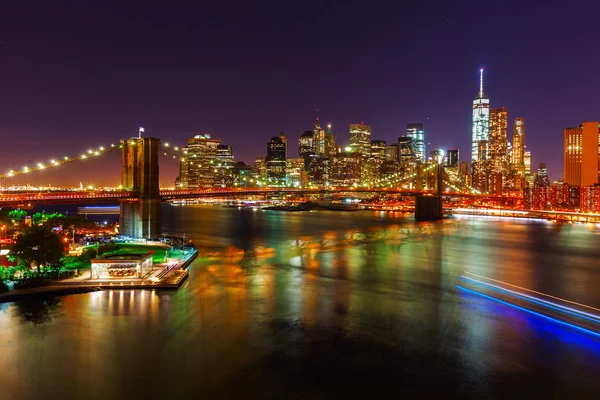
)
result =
(276, 161)
(416, 133)
(360, 139)
(481, 121)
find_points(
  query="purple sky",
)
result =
(73, 74)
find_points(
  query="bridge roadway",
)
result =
(58, 197)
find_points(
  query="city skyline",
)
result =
(98, 85)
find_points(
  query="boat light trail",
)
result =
(558, 321)
(533, 291)
(545, 303)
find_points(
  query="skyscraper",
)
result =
(306, 144)
(276, 161)
(497, 145)
(295, 175)
(416, 133)
(378, 148)
(581, 154)
(518, 146)
(481, 121)
(259, 171)
(329, 149)
(527, 161)
(201, 161)
(360, 139)
(224, 166)
(541, 178)
(406, 151)
(391, 153)
(452, 158)
(319, 139)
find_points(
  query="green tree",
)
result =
(17, 215)
(39, 246)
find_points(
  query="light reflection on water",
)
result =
(319, 305)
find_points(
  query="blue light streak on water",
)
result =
(546, 317)
(541, 302)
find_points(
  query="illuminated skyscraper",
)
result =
(224, 165)
(498, 142)
(319, 139)
(527, 159)
(345, 169)
(329, 148)
(295, 175)
(378, 148)
(541, 178)
(416, 133)
(581, 154)
(481, 121)
(406, 152)
(306, 144)
(452, 160)
(276, 161)
(518, 146)
(259, 171)
(201, 161)
(391, 153)
(360, 139)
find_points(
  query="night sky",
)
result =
(86, 73)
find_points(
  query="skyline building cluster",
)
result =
(497, 165)
(206, 162)
(580, 187)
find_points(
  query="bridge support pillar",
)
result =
(141, 219)
(428, 208)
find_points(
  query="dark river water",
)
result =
(321, 305)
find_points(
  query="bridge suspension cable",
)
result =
(55, 162)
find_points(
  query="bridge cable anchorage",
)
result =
(56, 162)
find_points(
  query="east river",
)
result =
(316, 305)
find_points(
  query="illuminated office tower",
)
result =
(481, 121)
(407, 157)
(518, 146)
(259, 171)
(581, 156)
(527, 161)
(329, 148)
(498, 143)
(416, 133)
(345, 169)
(452, 158)
(378, 148)
(541, 178)
(306, 144)
(224, 165)
(295, 175)
(360, 139)
(319, 139)
(391, 153)
(276, 161)
(201, 161)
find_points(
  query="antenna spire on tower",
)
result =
(481, 82)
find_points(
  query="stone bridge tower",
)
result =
(140, 217)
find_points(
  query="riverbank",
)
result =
(173, 278)
(45, 292)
